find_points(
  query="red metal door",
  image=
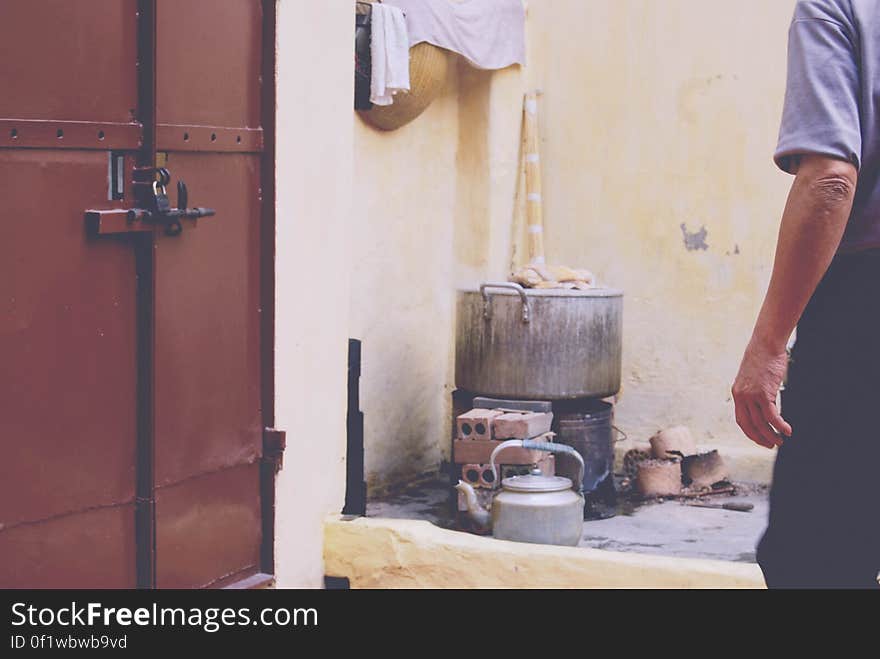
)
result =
(68, 319)
(131, 393)
(208, 418)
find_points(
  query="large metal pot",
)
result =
(539, 343)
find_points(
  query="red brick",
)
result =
(483, 475)
(512, 425)
(470, 474)
(467, 450)
(476, 424)
(489, 480)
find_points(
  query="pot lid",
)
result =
(599, 291)
(536, 482)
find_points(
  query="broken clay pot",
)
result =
(704, 470)
(659, 478)
(677, 439)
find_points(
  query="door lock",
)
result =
(159, 213)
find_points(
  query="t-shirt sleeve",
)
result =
(821, 112)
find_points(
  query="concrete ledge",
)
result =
(395, 553)
(747, 464)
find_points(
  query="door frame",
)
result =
(270, 465)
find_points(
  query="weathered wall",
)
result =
(659, 120)
(433, 202)
(655, 116)
(401, 304)
(313, 208)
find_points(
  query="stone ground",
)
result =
(668, 528)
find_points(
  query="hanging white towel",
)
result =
(490, 34)
(389, 50)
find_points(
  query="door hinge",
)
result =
(274, 442)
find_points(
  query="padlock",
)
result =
(162, 207)
(161, 202)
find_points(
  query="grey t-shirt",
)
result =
(832, 100)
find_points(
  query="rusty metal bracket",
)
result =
(134, 220)
(130, 220)
(119, 220)
(274, 443)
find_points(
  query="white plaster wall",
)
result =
(313, 201)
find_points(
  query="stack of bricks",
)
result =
(480, 431)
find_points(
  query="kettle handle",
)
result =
(550, 447)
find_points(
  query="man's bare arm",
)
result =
(813, 223)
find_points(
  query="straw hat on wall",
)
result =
(428, 69)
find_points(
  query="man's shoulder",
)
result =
(836, 11)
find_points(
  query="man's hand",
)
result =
(813, 223)
(754, 394)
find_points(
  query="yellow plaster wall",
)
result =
(401, 301)
(398, 553)
(657, 115)
(654, 115)
(433, 202)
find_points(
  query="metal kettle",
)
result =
(533, 508)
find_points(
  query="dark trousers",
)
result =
(824, 526)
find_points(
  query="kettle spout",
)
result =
(477, 513)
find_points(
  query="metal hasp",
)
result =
(274, 443)
(160, 214)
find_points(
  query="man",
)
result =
(824, 526)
